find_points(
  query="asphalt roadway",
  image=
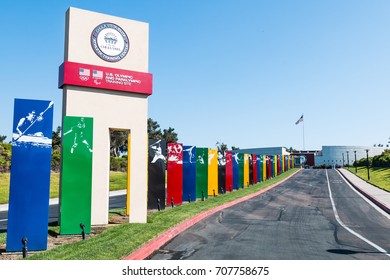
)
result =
(315, 215)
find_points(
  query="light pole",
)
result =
(348, 159)
(343, 159)
(368, 166)
(355, 163)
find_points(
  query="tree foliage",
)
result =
(56, 150)
(5, 157)
(222, 147)
(118, 142)
(169, 135)
(56, 139)
(56, 160)
(154, 132)
(291, 150)
(118, 164)
(382, 160)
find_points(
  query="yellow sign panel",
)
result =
(246, 170)
(213, 173)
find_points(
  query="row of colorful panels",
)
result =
(191, 173)
(196, 173)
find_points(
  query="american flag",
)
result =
(299, 120)
(97, 74)
(84, 72)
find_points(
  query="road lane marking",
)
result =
(380, 249)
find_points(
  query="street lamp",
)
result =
(348, 159)
(368, 166)
(343, 159)
(355, 163)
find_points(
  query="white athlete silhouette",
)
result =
(78, 132)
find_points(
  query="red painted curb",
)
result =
(151, 246)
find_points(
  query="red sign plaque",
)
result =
(92, 76)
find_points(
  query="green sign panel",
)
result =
(76, 179)
(241, 170)
(202, 167)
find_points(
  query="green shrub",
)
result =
(5, 157)
(118, 164)
(56, 161)
(382, 160)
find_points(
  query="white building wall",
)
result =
(339, 155)
(265, 151)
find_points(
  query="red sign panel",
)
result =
(92, 76)
(254, 164)
(175, 174)
(229, 171)
(269, 167)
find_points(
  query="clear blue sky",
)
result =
(239, 72)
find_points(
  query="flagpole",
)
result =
(303, 128)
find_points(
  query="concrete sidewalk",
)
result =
(378, 196)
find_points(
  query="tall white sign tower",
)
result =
(105, 76)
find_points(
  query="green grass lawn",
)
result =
(118, 181)
(4, 187)
(118, 241)
(378, 176)
(3, 236)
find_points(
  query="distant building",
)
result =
(264, 151)
(305, 158)
(345, 155)
(300, 157)
(329, 155)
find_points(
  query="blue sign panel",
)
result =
(259, 163)
(271, 158)
(189, 173)
(30, 175)
(236, 181)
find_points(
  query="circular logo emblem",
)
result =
(110, 42)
